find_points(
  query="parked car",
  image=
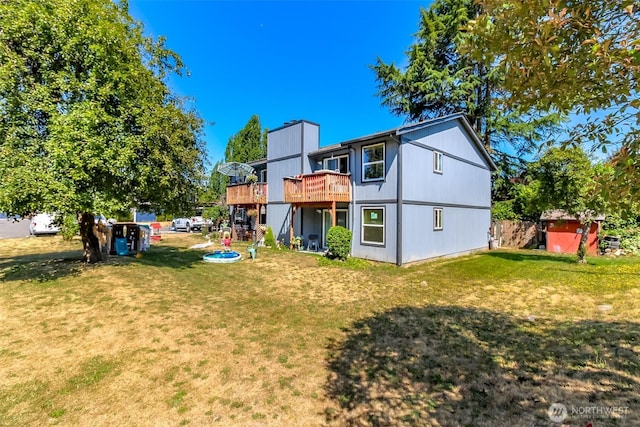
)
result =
(43, 223)
(195, 223)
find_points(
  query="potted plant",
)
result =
(251, 178)
(297, 243)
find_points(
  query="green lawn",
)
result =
(290, 339)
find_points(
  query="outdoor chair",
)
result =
(312, 242)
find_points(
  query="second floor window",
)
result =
(437, 162)
(336, 164)
(373, 162)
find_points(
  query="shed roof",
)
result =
(559, 214)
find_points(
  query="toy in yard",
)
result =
(226, 239)
(222, 257)
(253, 251)
(202, 245)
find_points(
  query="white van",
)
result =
(43, 224)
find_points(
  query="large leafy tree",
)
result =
(566, 179)
(441, 79)
(579, 57)
(87, 121)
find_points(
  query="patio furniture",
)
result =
(312, 243)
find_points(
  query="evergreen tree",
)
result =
(440, 79)
(249, 144)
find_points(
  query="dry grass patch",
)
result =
(490, 339)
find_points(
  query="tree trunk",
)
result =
(582, 247)
(90, 244)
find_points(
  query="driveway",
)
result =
(11, 229)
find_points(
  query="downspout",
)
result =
(302, 145)
(352, 203)
(399, 206)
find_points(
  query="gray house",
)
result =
(408, 194)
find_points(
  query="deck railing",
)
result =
(247, 194)
(322, 186)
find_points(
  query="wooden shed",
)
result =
(563, 232)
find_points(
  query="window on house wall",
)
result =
(263, 175)
(437, 162)
(373, 162)
(337, 164)
(437, 218)
(372, 226)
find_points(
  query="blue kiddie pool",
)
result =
(222, 256)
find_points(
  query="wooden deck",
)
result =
(318, 187)
(247, 194)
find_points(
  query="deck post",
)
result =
(333, 213)
(291, 236)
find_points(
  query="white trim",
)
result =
(438, 159)
(364, 164)
(438, 219)
(383, 226)
(326, 160)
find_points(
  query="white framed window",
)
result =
(437, 218)
(337, 164)
(437, 162)
(373, 162)
(372, 231)
(263, 175)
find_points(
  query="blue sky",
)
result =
(283, 60)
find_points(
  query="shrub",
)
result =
(503, 210)
(269, 239)
(628, 229)
(69, 227)
(339, 242)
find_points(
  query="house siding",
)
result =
(278, 170)
(310, 143)
(463, 231)
(278, 218)
(386, 253)
(462, 190)
(459, 183)
(450, 138)
(386, 189)
(287, 155)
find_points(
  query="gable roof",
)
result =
(451, 117)
(404, 129)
